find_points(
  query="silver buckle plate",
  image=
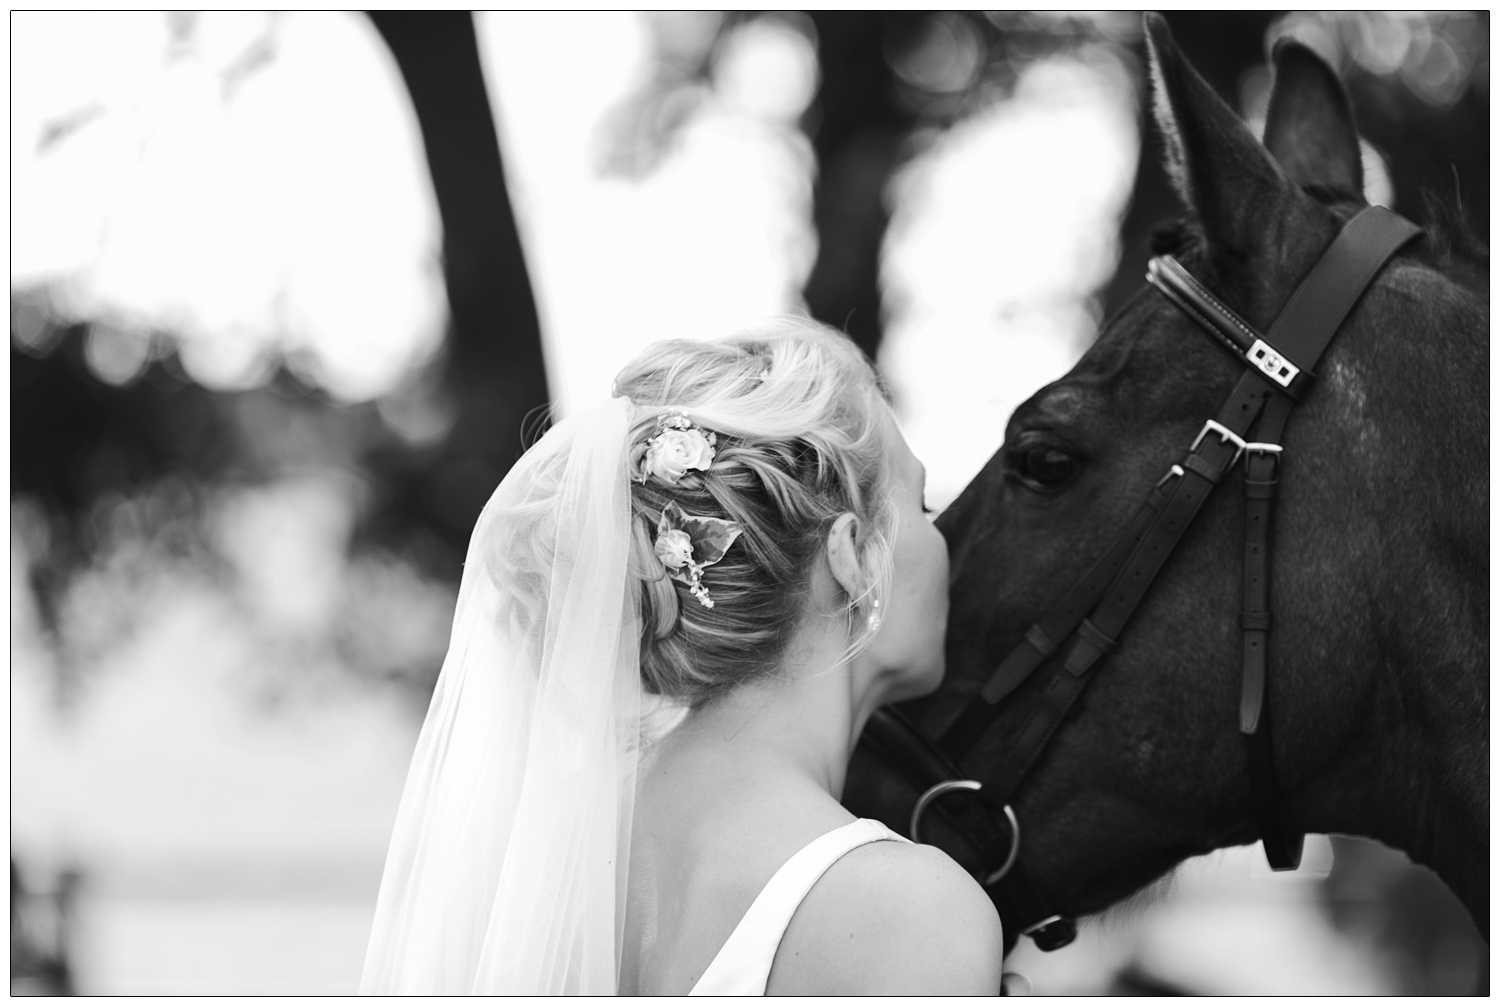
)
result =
(1226, 436)
(1272, 364)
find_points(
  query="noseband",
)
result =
(1087, 623)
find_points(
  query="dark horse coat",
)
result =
(1379, 657)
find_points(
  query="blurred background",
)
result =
(287, 288)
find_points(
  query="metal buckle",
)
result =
(938, 790)
(1272, 364)
(1226, 436)
(1175, 472)
(1273, 451)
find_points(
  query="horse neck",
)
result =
(1415, 787)
(1405, 416)
(1415, 774)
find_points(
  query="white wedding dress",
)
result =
(743, 964)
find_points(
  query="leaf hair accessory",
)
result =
(688, 545)
(678, 445)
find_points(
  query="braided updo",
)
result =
(800, 422)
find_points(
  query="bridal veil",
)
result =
(507, 866)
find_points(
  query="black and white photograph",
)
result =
(703, 503)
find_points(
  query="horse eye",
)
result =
(1046, 467)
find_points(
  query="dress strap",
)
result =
(743, 964)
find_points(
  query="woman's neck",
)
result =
(802, 721)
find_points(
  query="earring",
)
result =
(873, 620)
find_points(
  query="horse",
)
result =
(1378, 660)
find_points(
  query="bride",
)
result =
(677, 613)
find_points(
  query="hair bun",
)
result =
(799, 423)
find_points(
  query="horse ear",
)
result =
(1219, 168)
(1310, 125)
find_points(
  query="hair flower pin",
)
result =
(688, 545)
(677, 446)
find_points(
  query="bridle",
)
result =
(1086, 624)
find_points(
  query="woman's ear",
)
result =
(843, 556)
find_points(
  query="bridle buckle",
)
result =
(1271, 451)
(1226, 436)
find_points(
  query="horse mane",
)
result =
(1452, 240)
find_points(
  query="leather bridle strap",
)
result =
(1301, 332)
(1203, 468)
(1279, 370)
(1046, 636)
(1354, 258)
(1153, 533)
(1262, 470)
(1336, 281)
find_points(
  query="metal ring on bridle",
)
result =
(937, 790)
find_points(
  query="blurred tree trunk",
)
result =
(494, 366)
(858, 130)
(1221, 45)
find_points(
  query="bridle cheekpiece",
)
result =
(1086, 624)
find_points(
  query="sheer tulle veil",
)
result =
(507, 865)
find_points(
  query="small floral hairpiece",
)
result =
(688, 545)
(678, 445)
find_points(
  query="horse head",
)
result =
(1379, 584)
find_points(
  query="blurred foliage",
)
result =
(887, 81)
(124, 493)
(927, 68)
(126, 465)
(124, 462)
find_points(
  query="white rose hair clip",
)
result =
(688, 545)
(678, 445)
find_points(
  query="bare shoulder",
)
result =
(892, 918)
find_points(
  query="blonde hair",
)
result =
(801, 421)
